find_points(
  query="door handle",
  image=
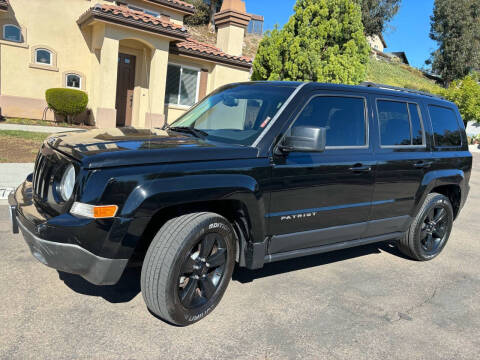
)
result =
(423, 164)
(361, 168)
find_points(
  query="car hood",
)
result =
(129, 146)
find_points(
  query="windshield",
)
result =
(237, 114)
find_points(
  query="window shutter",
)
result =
(173, 80)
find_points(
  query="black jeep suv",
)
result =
(255, 173)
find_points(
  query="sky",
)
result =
(408, 31)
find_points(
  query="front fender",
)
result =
(157, 194)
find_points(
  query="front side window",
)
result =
(43, 57)
(343, 117)
(236, 114)
(446, 130)
(400, 124)
(73, 81)
(182, 85)
(12, 33)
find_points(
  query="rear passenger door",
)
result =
(403, 157)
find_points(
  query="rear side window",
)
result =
(343, 117)
(446, 130)
(400, 124)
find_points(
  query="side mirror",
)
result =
(305, 139)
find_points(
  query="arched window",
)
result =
(43, 57)
(73, 81)
(12, 33)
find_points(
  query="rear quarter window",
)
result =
(446, 130)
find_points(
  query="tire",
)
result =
(429, 232)
(178, 282)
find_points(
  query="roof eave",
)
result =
(209, 57)
(180, 8)
(94, 14)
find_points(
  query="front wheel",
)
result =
(429, 232)
(188, 266)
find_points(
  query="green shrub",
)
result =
(323, 41)
(67, 102)
(466, 94)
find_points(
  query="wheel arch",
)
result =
(450, 183)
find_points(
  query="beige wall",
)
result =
(92, 52)
(375, 42)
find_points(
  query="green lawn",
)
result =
(20, 146)
(27, 135)
(21, 121)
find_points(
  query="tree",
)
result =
(204, 12)
(376, 13)
(455, 26)
(323, 41)
(466, 94)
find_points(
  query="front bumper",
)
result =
(67, 257)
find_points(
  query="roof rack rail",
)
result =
(396, 88)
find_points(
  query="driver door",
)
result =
(320, 198)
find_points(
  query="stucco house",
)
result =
(134, 58)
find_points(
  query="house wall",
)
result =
(91, 52)
(375, 42)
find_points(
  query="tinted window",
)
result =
(394, 123)
(343, 117)
(445, 126)
(417, 130)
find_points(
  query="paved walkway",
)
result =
(37, 128)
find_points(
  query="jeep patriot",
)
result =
(255, 173)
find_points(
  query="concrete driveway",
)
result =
(364, 303)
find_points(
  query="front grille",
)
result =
(42, 175)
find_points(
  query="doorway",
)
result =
(125, 88)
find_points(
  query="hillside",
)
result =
(202, 33)
(402, 75)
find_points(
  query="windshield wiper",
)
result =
(185, 129)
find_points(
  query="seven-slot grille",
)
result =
(42, 175)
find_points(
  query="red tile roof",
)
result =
(177, 4)
(200, 48)
(142, 20)
(134, 18)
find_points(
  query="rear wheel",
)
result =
(430, 230)
(188, 266)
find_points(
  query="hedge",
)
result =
(67, 102)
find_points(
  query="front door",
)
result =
(125, 86)
(324, 198)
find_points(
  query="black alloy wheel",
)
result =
(430, 229)
(202, 271)
(434, 231)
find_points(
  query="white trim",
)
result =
(42, 63)
(197, 90)
(73, 87)
(16, 27)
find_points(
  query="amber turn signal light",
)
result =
(94, 211)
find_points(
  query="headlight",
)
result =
(67, 183)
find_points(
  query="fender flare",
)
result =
(436, 178)
(153, 196)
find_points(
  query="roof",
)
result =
(383, 40)
(143, 21)
(176, 4)
(256, 17)
(401, 55)
(209, 52)
(133, 18)
(4, 5)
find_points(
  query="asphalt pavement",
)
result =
(363, 303)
